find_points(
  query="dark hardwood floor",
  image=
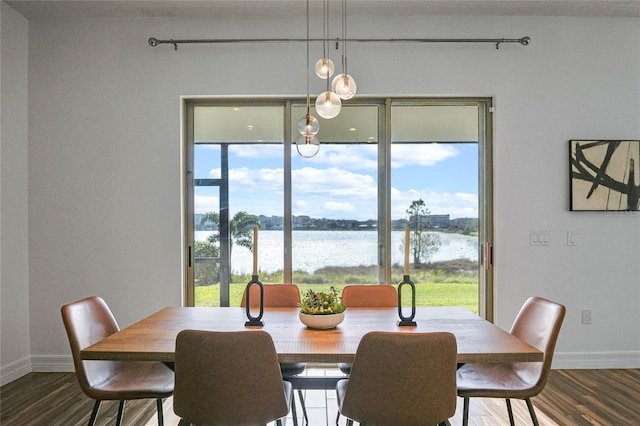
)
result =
(572, 397)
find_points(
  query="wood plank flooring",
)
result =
(572, 397)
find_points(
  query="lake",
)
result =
(315, 249)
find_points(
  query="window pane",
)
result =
(256, 193)
(238, 124)
(434, 179)
(206, 247)
(434, 123)
(238, 153)
(334, 202)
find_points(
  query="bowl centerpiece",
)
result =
(321, 310)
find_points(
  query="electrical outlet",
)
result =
(586, 316)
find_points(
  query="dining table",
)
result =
(153, 338)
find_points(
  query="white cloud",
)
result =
(257, 151)
(335, 193)
(403, 155)
(455, 204)
(252, 180)
(351, 157)
(343, 207)
(206, 203)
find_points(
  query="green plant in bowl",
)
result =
(321, 303)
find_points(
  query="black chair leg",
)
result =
(465, 412)
(120, 413)
(304, 408)
(294, 414)
(511, 422)
(532, 411)
(160, 415)
(94, 413)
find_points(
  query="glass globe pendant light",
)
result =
(308, 125)
(324, 66)
(308, 144)
(343, 84)
(328, 104)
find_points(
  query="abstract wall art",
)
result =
(604, 175)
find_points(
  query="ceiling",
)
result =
(33, 9)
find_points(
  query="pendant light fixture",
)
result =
(343, 84)
(328, 104)
(308, 144)
(324, 66)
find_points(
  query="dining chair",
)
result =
(90, 320)
(538, 323)
(228, 378)
(401, 378)
(370, 296)
(281, 296)
(367, 296)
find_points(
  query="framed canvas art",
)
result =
(605, 175)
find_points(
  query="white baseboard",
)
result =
(596, 360)
(561, 360)
(14, 370)
(52, 363)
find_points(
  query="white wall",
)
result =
(104, 154)
(14, 271)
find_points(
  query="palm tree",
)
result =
(240, 228)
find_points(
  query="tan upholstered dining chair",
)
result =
(89, 320)
(367, 296)
(370, 296)
(281, 296)
(401, 378)
(228, 378)
(538, 323)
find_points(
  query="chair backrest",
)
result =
(402, 378)
(228, 378)
(275, 296)
(370, 296)
(88, 321)
(538, 323)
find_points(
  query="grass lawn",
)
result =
(449, 283)
(430, 294)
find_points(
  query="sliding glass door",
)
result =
(340, 217)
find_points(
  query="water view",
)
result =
(315, 249)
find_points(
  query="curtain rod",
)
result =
(153, 42)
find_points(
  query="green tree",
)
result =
(240, 229)
(206, 270)
(423, 244)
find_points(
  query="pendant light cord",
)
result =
(308, 68)
(344, 37)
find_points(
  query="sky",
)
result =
(341, 182)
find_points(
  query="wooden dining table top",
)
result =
(153, 338)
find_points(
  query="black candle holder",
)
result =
(407, 321)
(254, 321)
